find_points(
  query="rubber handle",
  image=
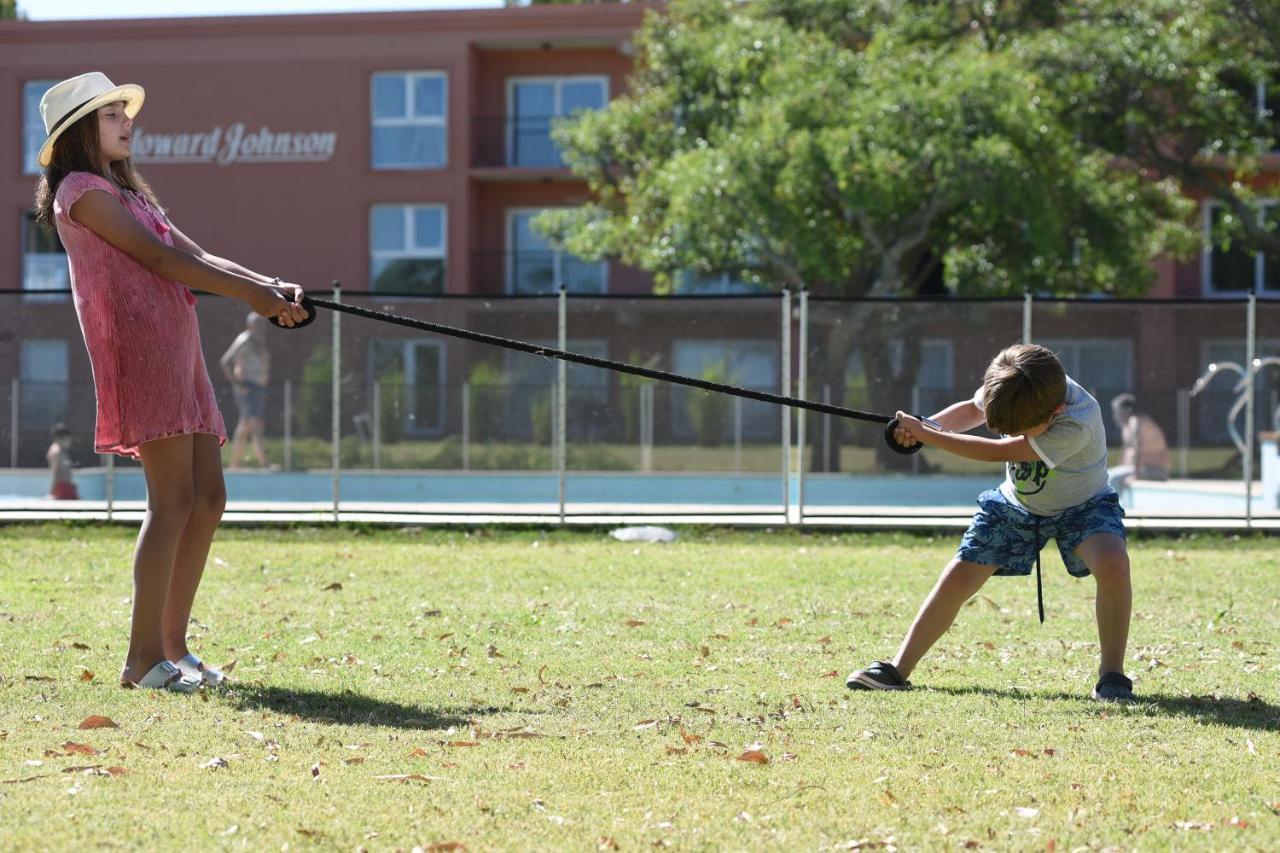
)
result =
(893, 444)
(311, 317)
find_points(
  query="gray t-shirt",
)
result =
(1073, 458)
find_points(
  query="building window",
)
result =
(1234, 269)
(407, 248)
(529, 411)
(711, 419)
(699, 284)
(534, 266)
(409, 115)
(410, 375)
(44, 261)
(33, 134)
(534, 103)
(43, 377)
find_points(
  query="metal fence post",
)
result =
(377, 425)
(1028, 306)
(288, 425)
(646, 427)
(737, 434)
(335, 425)
(111, 485)
(14, 395)
(826, 431)
(786, 411)
(1184, 430)
(915, 410)
(560, 407)
(802, 394)
(466, 426)
(1250, 367)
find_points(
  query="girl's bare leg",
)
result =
(209, 498)
(166, 463)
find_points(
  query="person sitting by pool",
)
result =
(1145, 451)
(62, 487)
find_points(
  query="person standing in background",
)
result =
(247, 366)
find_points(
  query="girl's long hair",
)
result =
(77, 150)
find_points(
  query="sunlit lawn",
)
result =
(561, 690)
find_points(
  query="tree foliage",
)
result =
(868, 148)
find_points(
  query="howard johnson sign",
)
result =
(233, 144)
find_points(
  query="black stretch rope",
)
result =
(607, 364)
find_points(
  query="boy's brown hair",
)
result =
(1022, 387)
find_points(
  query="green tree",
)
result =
(9, 11)
(862, 148)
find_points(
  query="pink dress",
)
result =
(140, 330)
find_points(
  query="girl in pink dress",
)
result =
(130, 269)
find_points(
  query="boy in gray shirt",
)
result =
(1054, 448)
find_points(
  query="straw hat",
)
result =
(69, 101)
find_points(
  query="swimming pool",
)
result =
(536, 491)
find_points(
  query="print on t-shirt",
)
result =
(1029, 478)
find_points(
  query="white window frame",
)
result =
(509, 273)
(558, 81)
(409, 119)
(1206, 255)
(40, 294)
(417, 252)
(33, 135)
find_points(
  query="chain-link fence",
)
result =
(434, 425)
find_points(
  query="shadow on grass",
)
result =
(346, 707)
(1250, 713)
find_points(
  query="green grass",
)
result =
(526, 647)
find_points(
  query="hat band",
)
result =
(68, 114)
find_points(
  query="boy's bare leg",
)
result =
(958, 583)
(1108, 559)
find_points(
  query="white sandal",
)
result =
(193, 667)
(165, 676)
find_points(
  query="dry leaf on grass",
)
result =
(333, 587)
(645, 724)
(689, 737)
(38, 677)
(445, 847)
(409, 777)
(462, 743)
(81, 646)
(96, 721)
(86, 675)
(70, 748)
(633, 623)
(604, 842)
(418, 752)
(358, 759)
(754, 756)
(215, 763)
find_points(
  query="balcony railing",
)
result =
(516, 142)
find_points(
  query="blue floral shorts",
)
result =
(1006, 536)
